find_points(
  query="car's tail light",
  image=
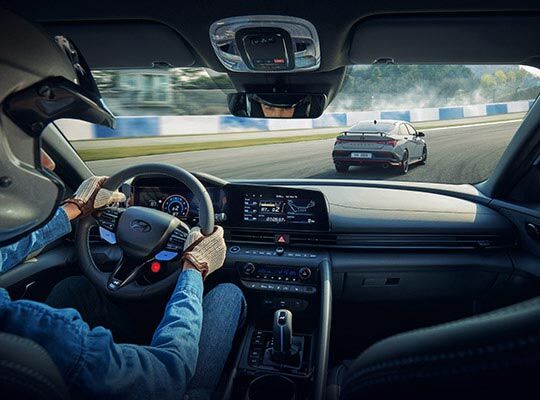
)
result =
(338, 141)
(391, 142)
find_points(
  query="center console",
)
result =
(284, 348)
(281, 279)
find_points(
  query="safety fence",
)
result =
(211, 124)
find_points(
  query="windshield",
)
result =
(441, 123)
(371, 126)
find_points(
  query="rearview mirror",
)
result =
(420, 134)
(276, 105)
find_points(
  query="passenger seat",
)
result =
(492, 355)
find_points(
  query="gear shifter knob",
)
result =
(282, 332)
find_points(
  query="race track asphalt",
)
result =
(455, 155)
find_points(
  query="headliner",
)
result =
(333, 19)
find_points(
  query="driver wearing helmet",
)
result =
(42, 80)
(276, 106)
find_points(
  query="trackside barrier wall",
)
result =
(202, 124)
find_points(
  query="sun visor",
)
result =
(126, 44)
(455, 39)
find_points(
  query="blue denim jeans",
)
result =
(224, 311)
(185, 356)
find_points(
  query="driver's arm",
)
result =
(95, 367)
(17, 252)
(86, 199)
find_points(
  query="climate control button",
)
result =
(304, 273)
(248, 268)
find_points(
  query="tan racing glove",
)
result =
(206, 253)
(90, 196)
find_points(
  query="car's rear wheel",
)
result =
(423, 160)
(341, 168)
(405, 163)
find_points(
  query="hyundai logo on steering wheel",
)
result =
(140, 226)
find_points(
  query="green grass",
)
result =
(136, 151)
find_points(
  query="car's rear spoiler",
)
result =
(364, 133)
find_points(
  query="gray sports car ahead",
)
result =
(385, 142)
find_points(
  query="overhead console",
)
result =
(266, 43)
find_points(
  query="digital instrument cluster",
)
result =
(178, 201)
(165, 199)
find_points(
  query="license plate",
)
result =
(361, 155)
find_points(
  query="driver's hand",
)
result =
(205, 253)
(91, 196)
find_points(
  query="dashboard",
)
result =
(238, 205)
(410, 241)
(338, 215)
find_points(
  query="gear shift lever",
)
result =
(282, 335)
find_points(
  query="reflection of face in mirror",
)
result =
(277, 112)
(276, 105)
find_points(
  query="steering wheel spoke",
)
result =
(126, 272)
(108, 222)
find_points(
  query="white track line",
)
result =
(471, 125)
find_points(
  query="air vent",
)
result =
(295, 239)
(315, 239)
(251, 236)
(374, 241)
(419, 241)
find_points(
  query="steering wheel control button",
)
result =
(107, 235)
(165, 255)
(108, 219)
(175, 243)
(234, 249)
(155, 267)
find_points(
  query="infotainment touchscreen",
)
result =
(278, 208)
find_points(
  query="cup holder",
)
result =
(271, 387)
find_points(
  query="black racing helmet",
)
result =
(277, 100)
(42, 79)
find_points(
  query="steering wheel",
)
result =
(144, 235)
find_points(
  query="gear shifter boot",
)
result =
(292, 360)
